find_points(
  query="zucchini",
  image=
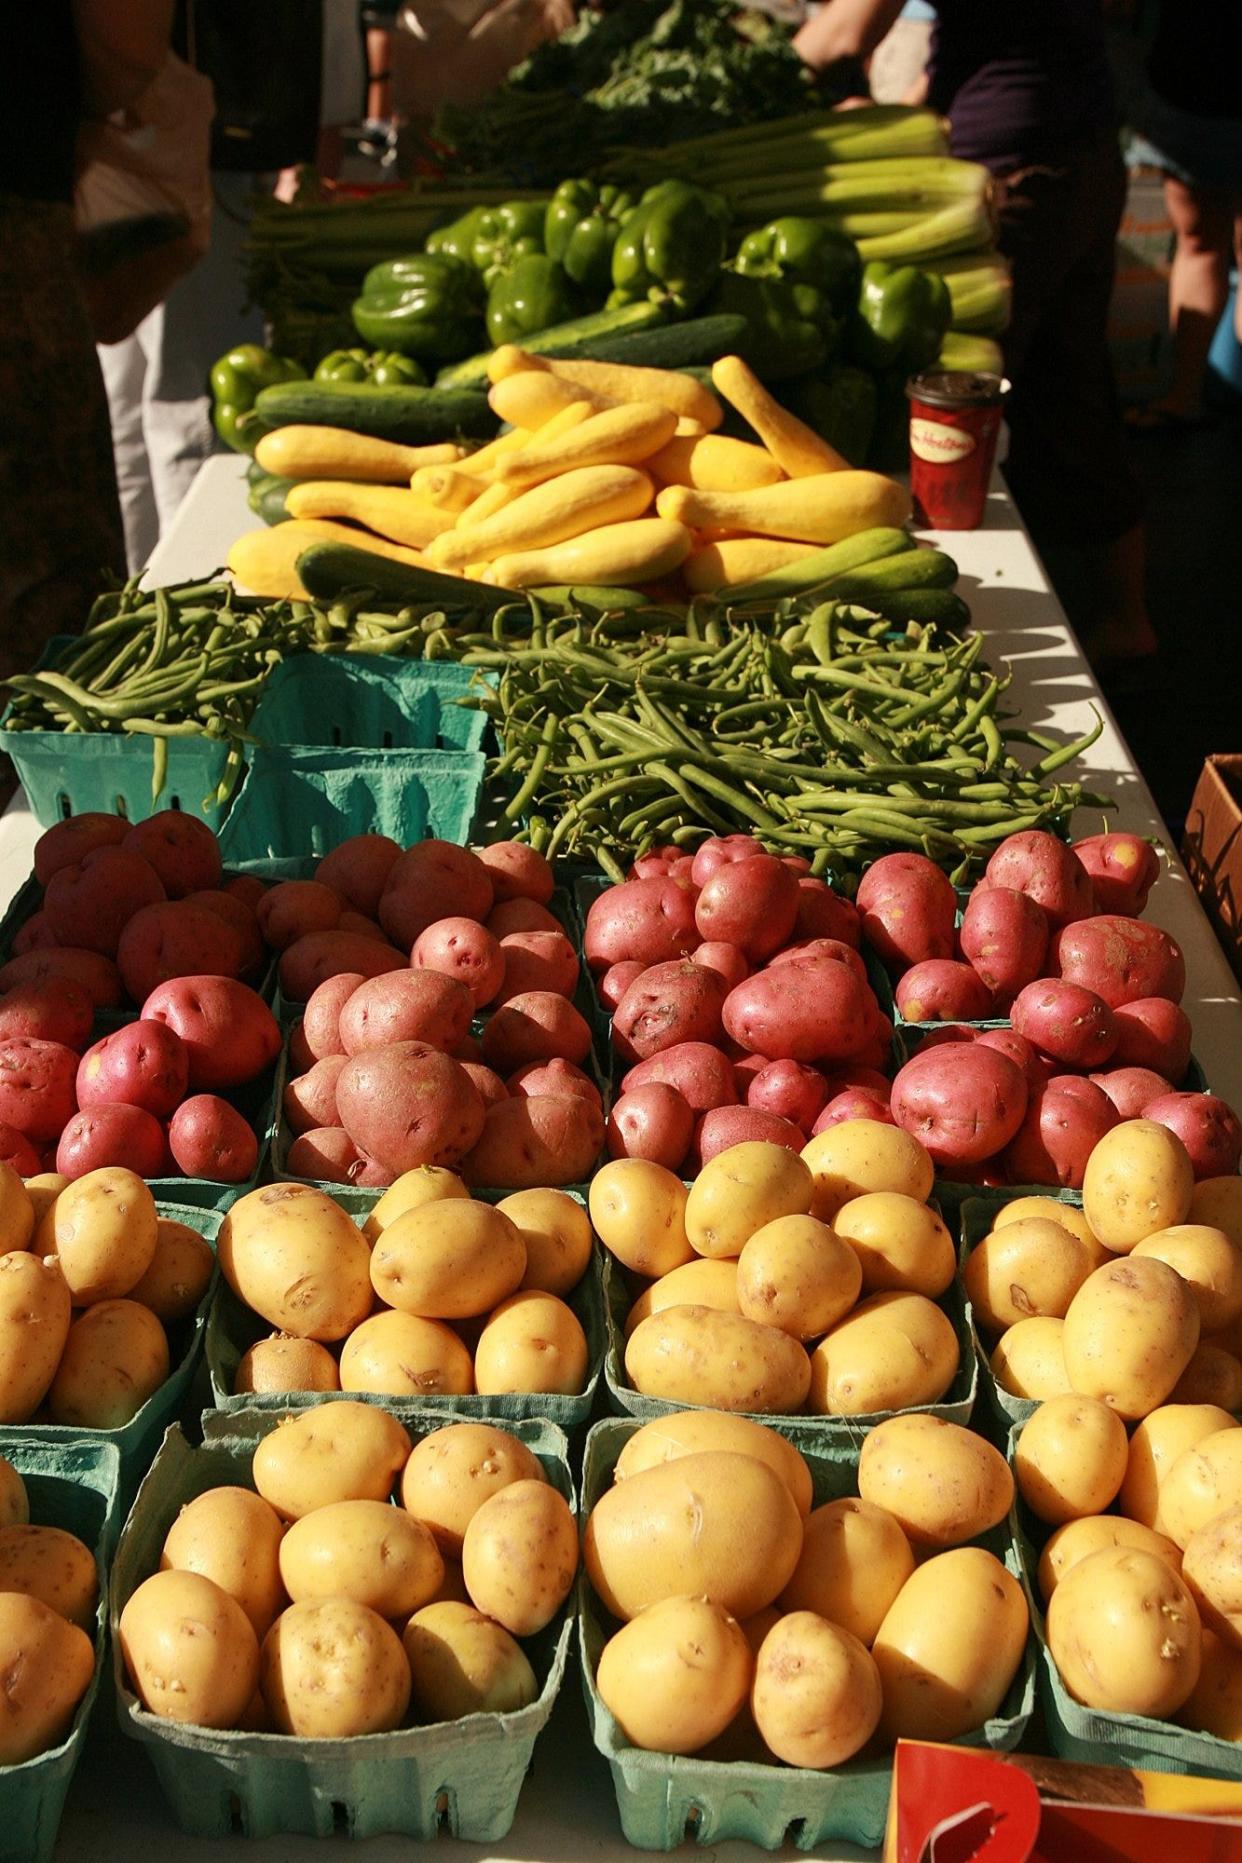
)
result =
(327, 570)
(911, 569)
(410, 416)
(562, 339)
(592, 595)
(674, 346)
(267, 497)
(941, 607)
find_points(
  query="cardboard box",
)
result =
(1212, 849)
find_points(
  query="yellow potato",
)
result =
(399, 1355)
(519, 1556)
(14, 1501)
(855, 1559)
(427, 1183)
(105, 1227)
(448, 1261)
(698, 1355)
(115, 1358)
(232, 1536)
(1212, 1568)
(292, 1254)
(179, 1273)
(1129, 1334)
(1053, 1210)
(54, 1566)
(462, 1663)
(1203, 1482)
(1078, 1539)
(332, 1669)
(817, 1696)
(1208, 1262)
(902, 1246)
(339, 1451)
(1214, 1705)
(281, 1363)
(1123, 1630)
(691, 1432)
(675, 1676)
(17, 1211)
(892, 1351)
(941, 1483)
(1155, 1445)
(1070, 1458)
(797, 1275)
(740, 1191)
(697, 1283)
(1029, 1360)
(1213, 1376)
(190, 1650)
(35, 1314)
(715, 1524)
(532, 1342)
(43, 1191)
(950, 1646)
(453, 1470)
(369, 1551)
(557, 1233)
(638, 1211)
(861, 1155)
(48, 1664)
(1216, 1201)
(1027, 1270)
(1138, 1179)
(452, 1587)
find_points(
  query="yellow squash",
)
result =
(714, 463)
(620, 436)
(617, 555)
(819, 509)
(400, 515)
(265, 561)
(738, 559)
(548, 514)
(532, 397)
(306, 452)
(619, 382)
(797, 448)
(446, 487)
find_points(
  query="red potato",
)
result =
(142, 1064)
(209, 1138)
(750, 903)
(238, 914)
(464, 950)
(520, 915)
(351, 921)
(652, 920)
(428, 880)
(1064, 1122)
(1155, 1033)
(797, 863)
(184, 851)
(89, 905)
(247, 887)
(310, 1099)
(469, 1048)
(1008, 1042)
(117, 1135)
(328, 1154)
(50, 1011)
(96, 974)
(321, 1019)
(616, 980)
(669, 1004)
(1131, 1089)
(654, 1123)
(407, 1105)
(490, 1088)
(963, 1104)
(68, 842)
(814, 1010)
(853, 1103)
(1123, 869)
(835, 949)
(1004, 939)
(517, 872)
(655, 864)
(1066, 1021)
(726, 961)
(538, 1078)
(746, 1066)
(1045, 869)
(726, 1126)
(540, 960)
(17, 1151)
(790, 1090)
(701, 1073)
(825, 914)
(358, 870)
(34, 935)
(526, 1144)
(868, 1079)
(908, 910)
(293, 908)
(175, 939)
(941, 989)
(36, 1087)
(722, 851)
(948, 1032)
(309, 962)
(1207, 1126)
(534, 1027)
(403, 1006)
(229, 1031)
(1123, 960)
(301, 1059)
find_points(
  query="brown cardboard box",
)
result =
(1212, 849)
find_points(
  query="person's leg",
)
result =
(124, 368)
(1203, 221)
(1237, 266)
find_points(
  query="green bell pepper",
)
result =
(532, 295)
(789, 327)
(841, 407)
(505, 234)
(901, 317)
(581, 225)
(671, 248)
(342, 365)
(806, 252)
(457, 238)
(381, 366)
(424, 306)
(235, 383)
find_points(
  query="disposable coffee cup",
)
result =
(955, 416)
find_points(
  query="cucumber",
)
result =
(592, 595)
(327, 570)
(675, 346)
(562, 339)
(410, 416)
(911, 569)
(267, 497)
(819, 568)
(939, 606)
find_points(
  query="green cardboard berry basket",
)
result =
(455, 1778)
(232, 1329)
(665, 1798)
(375, 700)
(72, 1485)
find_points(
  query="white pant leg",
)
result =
(124, 368)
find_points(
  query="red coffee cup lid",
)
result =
(957, 388)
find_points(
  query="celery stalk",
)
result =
(963, 226)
